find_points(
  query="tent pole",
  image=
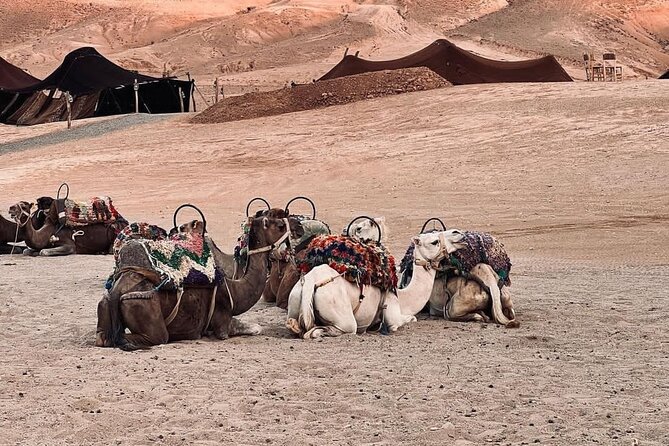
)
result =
(192, 94)
(217, 90)
(136, 88)
(181, 100)
(68, 104)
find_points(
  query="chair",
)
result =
(612, 71)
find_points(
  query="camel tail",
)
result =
(307, 319)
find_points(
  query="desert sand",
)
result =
(571, 177)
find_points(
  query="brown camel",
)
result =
(12, 232)
(134, 303)
(56, 239)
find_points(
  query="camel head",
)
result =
(296, 228)
(364, 230)
(44, 203)
(268, 230)
(21, 211)
(191, 226)
(433, 246)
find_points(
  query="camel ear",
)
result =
(265, 222)
(416, 240)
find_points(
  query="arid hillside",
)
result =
(262, 44)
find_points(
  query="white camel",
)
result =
(326, 297)
(365, 230)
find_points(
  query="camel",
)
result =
(134, 302)
(12, 232)
(472, 299)
(326, 297)
(476, 293)
(284, 275)
(56, 239)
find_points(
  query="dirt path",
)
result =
(572, 178)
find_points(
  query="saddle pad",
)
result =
(96, 210)
(367, 263)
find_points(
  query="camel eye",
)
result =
(435, 243)
(358, 230)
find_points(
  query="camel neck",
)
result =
(414, 296)
(247, 291)
(8, 230)
(38, 238)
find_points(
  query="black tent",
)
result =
(98, 87)
(458, 66)
(12, 78)
(665, 75)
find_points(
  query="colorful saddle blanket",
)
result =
(182, 259)
(481, 248)
(138, 230)
(367, 263)
(97, 210)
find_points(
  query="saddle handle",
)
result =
(248, 206)
(67, 193)
(308, 200)
(188, 205)
(348, 228)
(443, 226)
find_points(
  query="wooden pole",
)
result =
(216, 93)
(68, 104)
(181, 100)
(136, 88)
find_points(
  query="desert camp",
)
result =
(333, 222)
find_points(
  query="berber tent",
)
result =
(458, 66)
(98, 87)
(12, 78)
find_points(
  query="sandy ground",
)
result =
(572, 178)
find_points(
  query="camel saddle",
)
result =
(75, 214)
(367, 263)
(184, 259)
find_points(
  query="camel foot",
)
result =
(294, 326)
(30, 252)
(320, 332)
(239, 328)
(513, 324)
(101, 341)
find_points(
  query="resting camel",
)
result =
(327, 298)
(56, 239)
(134, 303)
(471, 291)
(11, 232)
(473, 299)
(284, 275)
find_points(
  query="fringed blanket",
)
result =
(481, 248)
(138, 230)
(183, 259)
(97, 210)
(242, 248)
(364, 263)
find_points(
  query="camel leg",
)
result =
(10, 249)
(485, 275)
(104, 322)
(240, 328)
(294, 302)
(507, 303)
(143, 316)
(290, 277)
(468, 301)
(63, 250)
(267, 293)
(324, 331)
(336, 311)
(31, 252)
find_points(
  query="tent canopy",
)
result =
(14, 78)
(459, 66)
(84, 71)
